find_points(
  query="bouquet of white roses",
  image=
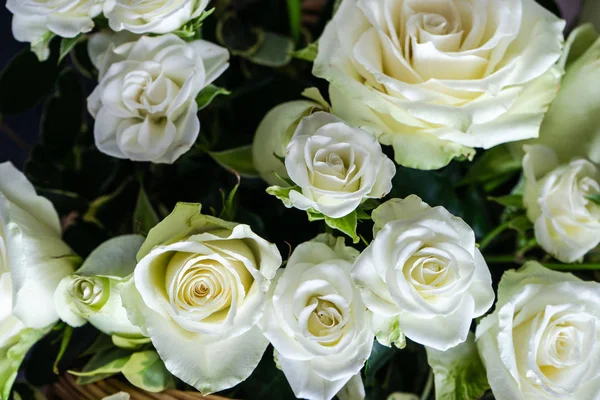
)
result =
(380, 199)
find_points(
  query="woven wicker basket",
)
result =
(67, 389)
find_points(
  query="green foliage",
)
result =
(309, 53)
(459, 372)
(238, 160)
(493, 168)
(294, 16)
(261, 47)
(67, 334)
(208, 94)
(595, 199)
(144, 216)
(68, 44)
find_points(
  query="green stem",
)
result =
(508, 259)
(493, 235)
(294, 15)
(428, 387)
(501, 260)
(573, 267)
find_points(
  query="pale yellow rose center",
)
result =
(89, 293)
(207, 285)
(429, 271)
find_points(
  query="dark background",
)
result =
(25, 125)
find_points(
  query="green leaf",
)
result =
(380, 356)
(459, 373)
(347, 225)
(12, 355)
(67, 333)
(309, 53)
(275, 51)
(514, 201)
(283, 193)
(208, 94)
(129, 343)
(595, 198)
(314, 215)
(229, 208)
(192, 30)
(25, 71)
(520, 223)
(144, 216)
(493, 164)
(147, 371)
(115, 258)
(67, 44)
(294, 15)
(103, 364)
(238, 160)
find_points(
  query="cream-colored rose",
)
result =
(423, 273)
(543, 340)
(335, 166)
(316, 320)
(198, 292)
(151, 16)
(92, 294)
(145, 106)
(559, 202)
(33, 260)
(437, 78)
(35, 21)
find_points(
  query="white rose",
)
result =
(436, 78)
(200, 285)
(106, 48)
(33, 260)
(316, 320)
(33, 257)
(92, 294)
(145, 106)
(34, 20)
(151, 16)
(424, 271)
(558, 202)
(543, 340)
(336, 167)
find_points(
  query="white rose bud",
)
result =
(437, 78)
(33, 260)
(198, 291)
(145, 106)
(424, 273)
(336, 167)
(559, 202)
(35, 21)
(543, 340)
(92, 294)
(151, 16)
(273, 136)
(316, 320)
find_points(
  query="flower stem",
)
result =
(573, 267)
(490, 237)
